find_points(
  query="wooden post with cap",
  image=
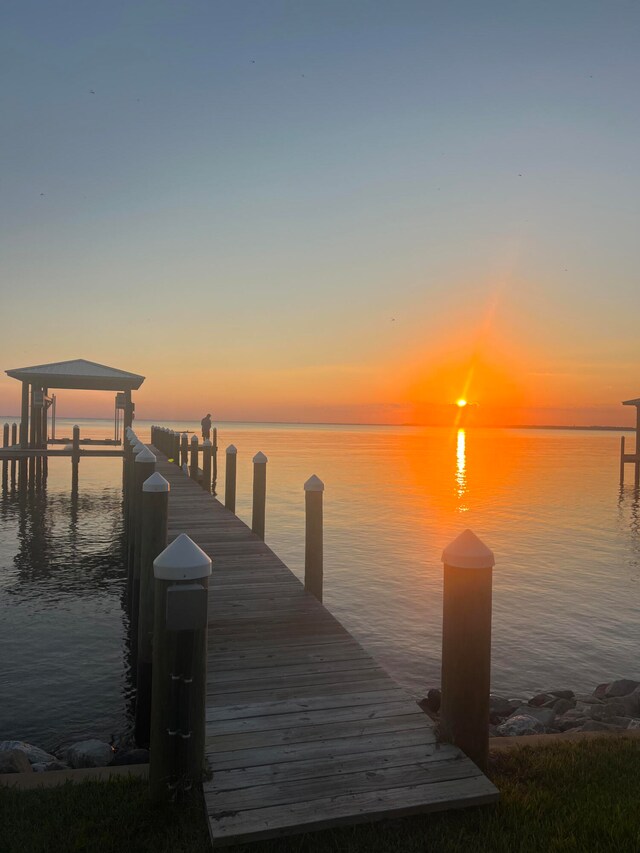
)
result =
(154, 522)
(313, 544)
(259, 494)
(230, 478)
(179, 672)
(206, 465)
(466, 646)
(193, 468)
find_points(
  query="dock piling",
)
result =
(466, 646)
(206, 465)
(214, 464)
(313, 542)
(193, 467)
(622, 460)
(230, 478)
(184, 449)
(144, 466)
(153, 540)
(181, 584)
(259, 494)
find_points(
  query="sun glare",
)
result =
(461, 403)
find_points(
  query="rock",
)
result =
(561, 706)
(631, 703)
(588, 699)
(132, 756)
(498, 706)
(621, 687)
(520, 724)
(540, 699)
(89, 753)
(634, 724)
(14, 761)
(434, 698)
(55, 765)
(568, 723)
(546, 716)
(563, 694)
(601, 690)
(615, 708)
(33, 753)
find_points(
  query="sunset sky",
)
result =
(326, 211)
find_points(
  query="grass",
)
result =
(579, 797)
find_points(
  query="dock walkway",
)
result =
(305, 730)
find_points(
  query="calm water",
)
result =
(566, 539)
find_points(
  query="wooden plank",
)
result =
(328, 748)
(256, 824)
(301, 790)
(289, 771)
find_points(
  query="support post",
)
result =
(214, 464)
(206, 465)
(259, 494)
(128, 410)
(24, 417)
(5, 462)
(75, 457)
(622, 460)
(466, 646)
(313, 544)
(193, 468)
(154, 515)
(181, 574)
(14, 434)
(184, 449)
(33, 419)
(176, 448)
(143, 467)
(636, 479)
(230, 479)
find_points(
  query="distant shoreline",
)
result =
(362, 424)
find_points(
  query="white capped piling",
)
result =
(313, 541)
(206, 465)
(184, 449)
(259, 494)
(144, 465)
(154, 515)
(193, 467)
(230, 478)
(466, 646)
(181, 584)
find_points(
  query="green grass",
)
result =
(579, 797)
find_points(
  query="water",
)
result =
(566, 540)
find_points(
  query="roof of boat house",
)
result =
(78, 373)
(635, 402)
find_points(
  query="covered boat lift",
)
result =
(77, 374)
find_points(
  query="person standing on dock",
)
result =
(206, 427)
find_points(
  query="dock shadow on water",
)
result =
(65, 670)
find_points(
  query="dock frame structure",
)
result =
(631, 457)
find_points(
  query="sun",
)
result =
(461, 403)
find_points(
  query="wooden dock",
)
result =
(304, 729)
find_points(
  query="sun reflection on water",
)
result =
(461, 469)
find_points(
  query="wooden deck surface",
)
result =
(304, 729)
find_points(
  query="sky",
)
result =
(325, 211)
